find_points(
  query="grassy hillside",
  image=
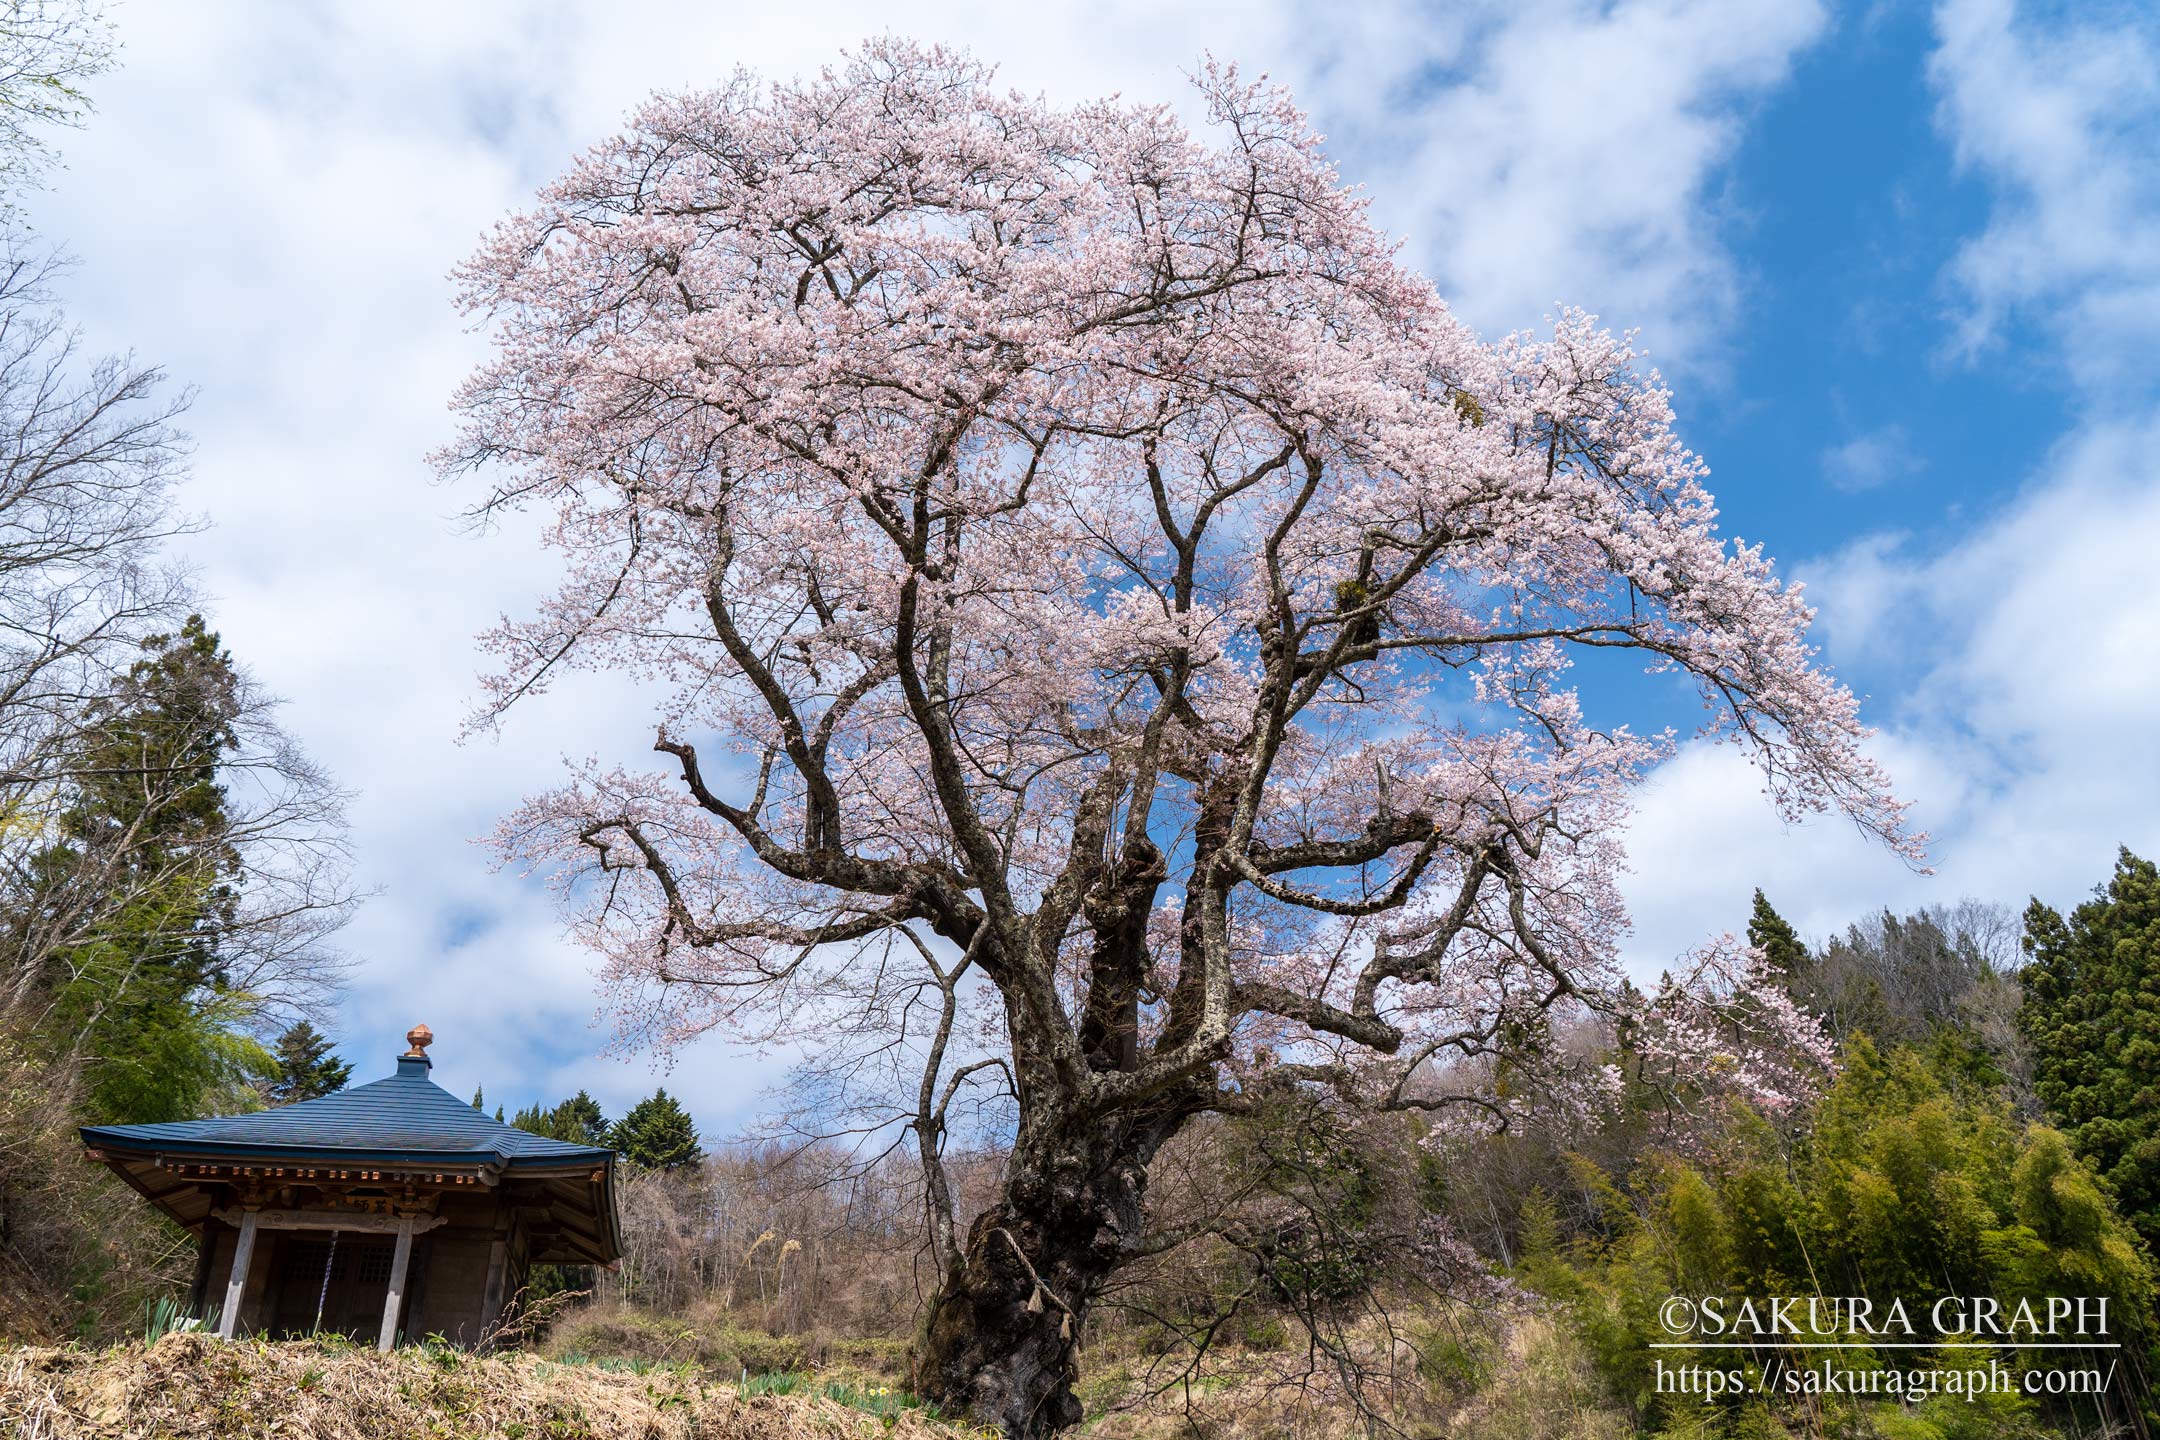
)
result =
(186, 1386)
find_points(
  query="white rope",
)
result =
(323, 1294)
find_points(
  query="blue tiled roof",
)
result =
(406, 1116)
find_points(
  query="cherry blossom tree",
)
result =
(1084, 578)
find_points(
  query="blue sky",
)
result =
(1898, 261)
(1842, 408)
(1838, 407)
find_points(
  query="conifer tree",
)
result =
(576, 1121)
(1768, 932)
(579, 1121)
(2092, 1014)
(657, 1134)
(147, 1002)
(306, 1068)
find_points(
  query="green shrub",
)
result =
(1264, 1330)
(1914, 1181)
(1452, 1364)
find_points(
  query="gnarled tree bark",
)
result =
(998, 1338)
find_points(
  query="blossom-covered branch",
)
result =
(1093, 552)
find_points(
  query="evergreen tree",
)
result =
(478, 1100)
(306, 1070)
(579, 1121)
(1768, 932)
(657, 1134)
(147, 1003)
(576, 1121)
(2092, 1015)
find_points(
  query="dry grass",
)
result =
(189, 1386)
(1507, 1375)
(27, 1304)
(718, 1338)
(1543, 1388)
(1243, 1395)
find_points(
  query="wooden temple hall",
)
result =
(389, 1209)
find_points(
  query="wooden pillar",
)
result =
(199, 1287)
(236, 1283)
(395, 1300)
(491, 1298)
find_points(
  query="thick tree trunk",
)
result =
(997, 1342)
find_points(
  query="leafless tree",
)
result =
(89, 454)
(48, 48)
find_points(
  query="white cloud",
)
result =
(2061, 117)
(2025, 648)
(1571, 153)
(270, 197)
(2022, 734)
(1704, 838)
(1872, 459)
(2041, 625)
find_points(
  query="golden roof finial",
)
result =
(419, 1037)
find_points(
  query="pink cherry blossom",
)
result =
(1075, 563)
